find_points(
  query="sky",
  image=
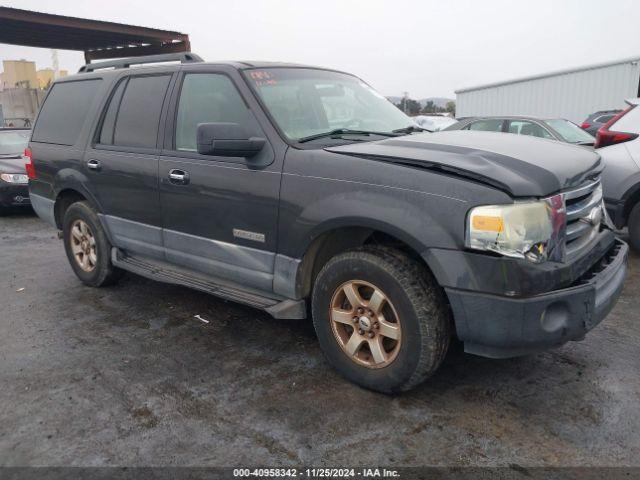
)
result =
(428, 48)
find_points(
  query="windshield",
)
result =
(13, 142)
(570, 131)
(306, 102)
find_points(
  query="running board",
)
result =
(154, 270)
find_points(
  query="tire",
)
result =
(99, 270)
(411, 295)
(633, 224)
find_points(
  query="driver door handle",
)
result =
(93, 164)
(178, 177)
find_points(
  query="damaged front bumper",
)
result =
(501, 326)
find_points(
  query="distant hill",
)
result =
(438, 101)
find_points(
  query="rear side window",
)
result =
(133, 114)
(13, 142)
(528, 128)
(65, 111)
(493, 125)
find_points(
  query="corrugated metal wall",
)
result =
(571, 95)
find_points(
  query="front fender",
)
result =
(323, 192)
(312, 206)
(395, 215)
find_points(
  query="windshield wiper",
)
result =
(344, 131)
(410, 129)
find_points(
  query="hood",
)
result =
(12, 164)
(520, 165)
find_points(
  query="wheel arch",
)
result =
(70, 186)
(337, 237)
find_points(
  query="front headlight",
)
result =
(14, 178)
(532, 230)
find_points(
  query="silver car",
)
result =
(619, 146)
(551, 128)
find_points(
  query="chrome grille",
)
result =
(584, 215)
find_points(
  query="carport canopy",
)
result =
(97, 39)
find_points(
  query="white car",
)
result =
(618, 143)
(433, 123)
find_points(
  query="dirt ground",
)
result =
(127, 375)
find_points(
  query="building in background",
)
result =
(22, 90)
(47, 75)
(18, 74)
(572, 94)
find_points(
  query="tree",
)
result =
(409, 106)
(451, 108)
(429, 107)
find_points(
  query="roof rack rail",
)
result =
(182, 57)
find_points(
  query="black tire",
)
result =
(418, 300)
(103, 273)
(633, 224)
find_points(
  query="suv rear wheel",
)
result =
(381, 319)
(87, 247)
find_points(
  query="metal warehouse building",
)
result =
(572, 94)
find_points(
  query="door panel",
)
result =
(200, 218)
(123, 165)
(221, 220)
(126, 184)
(239, 264)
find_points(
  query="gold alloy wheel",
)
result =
(83, 246)
(365, 324)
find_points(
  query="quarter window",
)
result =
(208, 98)
(64, 112)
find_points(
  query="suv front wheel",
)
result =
(87, 247)
(633, 225)
(380, 318)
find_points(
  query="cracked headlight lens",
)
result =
(532, 230)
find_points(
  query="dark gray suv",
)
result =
(302, 191)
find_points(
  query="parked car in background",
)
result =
(598, 119)
(434, 123)
(551, 128)
(618, 144)
(14, 190)
(221, 178)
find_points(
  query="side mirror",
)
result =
(227, 140)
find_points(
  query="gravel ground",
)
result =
(127, 375)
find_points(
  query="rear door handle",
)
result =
(93, 164)
(178, 177)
